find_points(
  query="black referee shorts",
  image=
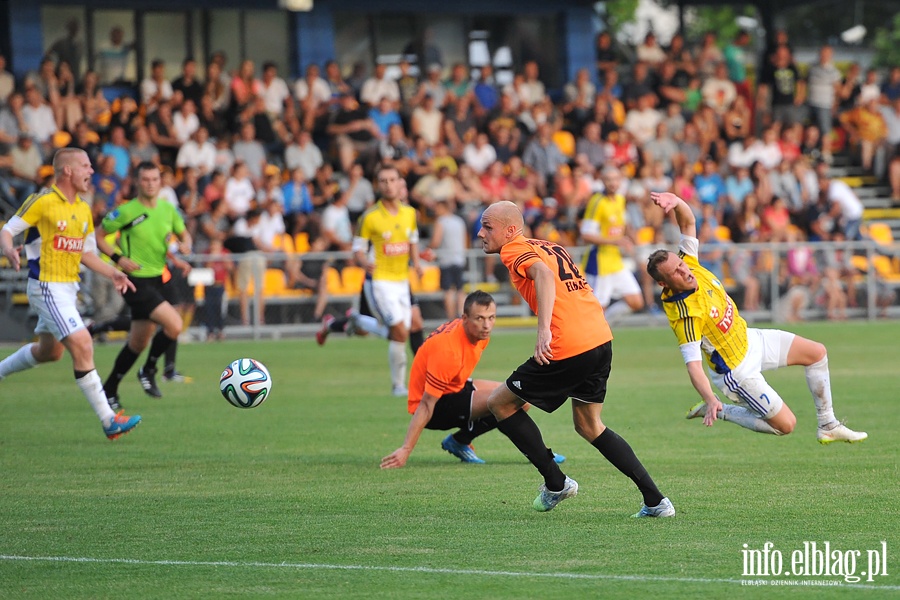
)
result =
(147, 296)
(547, 387)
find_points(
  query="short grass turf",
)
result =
(204, 500)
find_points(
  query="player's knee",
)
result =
(818, 352)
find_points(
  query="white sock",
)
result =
(745, 418)
(370, 325)
(92, 388)
(20, 360)
(397, 360)
(615, 310)
(819, 382)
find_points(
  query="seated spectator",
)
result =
(737, 120)
(245, 87)
(427, 121)
(479, 154)
(770, 153)
(142, 149)
(185, 121)
(379, 86)
(469, 191)
(39, 120)
(650, 51)
(495, 184)
(866, 127)
(156, 89)
(384, 116)
(187, 83)
(355, 197)
(162, 133)
(591, 145)
(432, 188)
(661, 149)
(198, 153)
(117, 149)
(273, 91)
(487, 96)
(641, 121)
(314, 97)
(125, 112)
(303, 154)
(7, 81)
(354, 133)
(395, 149)
(251, 152)
(298, 203)
(718, 91)
(106, 182)
(240, 193)
(578, 98)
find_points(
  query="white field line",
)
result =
(427, 570)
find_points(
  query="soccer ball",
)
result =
(246, 383)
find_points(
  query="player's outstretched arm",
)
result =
(703, 387)
(420, 418)
(95, 263)
(668, 201)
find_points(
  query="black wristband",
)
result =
(115, 257)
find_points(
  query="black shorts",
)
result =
(176, 290)
(453, 410)
(452, 277)
(582, 377)
(147, 296)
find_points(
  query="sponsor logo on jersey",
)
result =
(68, 244)
(727, 320)
(61, 225)
(713, 313)
(396, 248)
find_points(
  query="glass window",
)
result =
(63, 28)
(165, 39)
(266, 35)
(394, 36)
(113, 45)
(352, 41)
(198, 52)
(446, 35)
(225, 35)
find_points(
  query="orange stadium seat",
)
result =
(431, 279)
(274, 283)
(352, 278)
(881, 233)
(301, 242)
(333, 282)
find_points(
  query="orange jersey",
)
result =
(577, 323)
(444, 363)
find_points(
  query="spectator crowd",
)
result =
(248, 156)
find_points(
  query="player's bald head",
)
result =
(504, 214)
(66, 157)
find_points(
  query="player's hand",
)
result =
(427, 254)
(128, 265)
(12, 255)
(121, 282)
(542, 353)
(182, 265)
(395, 459)
(419, 270)
(712, 409)
(665, 200)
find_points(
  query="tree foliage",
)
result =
(887, 44)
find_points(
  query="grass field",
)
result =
(286, 500)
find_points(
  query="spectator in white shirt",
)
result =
(303, 154)
(39, 119)
(156, 88)
(378, 86)
(198, 153)
(743, 153)
(479, 154)
(185, 121)
(273, 90)
(239, 191)
(641, 121)
(845, 204)
(719, 91)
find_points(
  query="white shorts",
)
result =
(389, 301)
(767, 349)
(55, 304)
(615, 285)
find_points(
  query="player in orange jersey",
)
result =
(442, 394)
(572, 358)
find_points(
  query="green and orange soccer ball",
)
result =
(246, 383)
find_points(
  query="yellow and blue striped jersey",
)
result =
(56, 235)
(605, 215)
(707, 315)
(390, 235)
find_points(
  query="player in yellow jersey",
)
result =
(389, 230)
(604, 227)
(707, 323)
(59, 237)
